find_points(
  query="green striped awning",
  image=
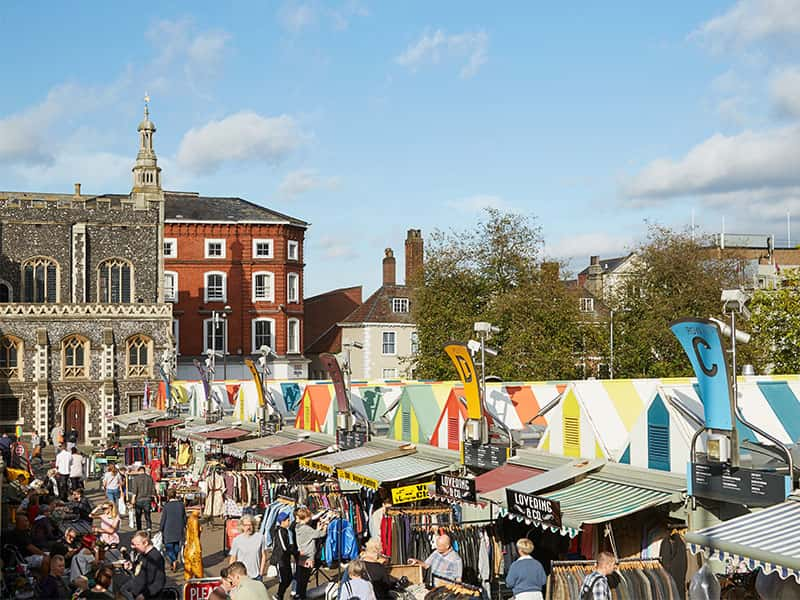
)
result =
(596, 501)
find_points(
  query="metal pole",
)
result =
(611, 358)
(210, 375)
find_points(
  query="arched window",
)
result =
(6, 293)
(114, 277)
(140, 351)
(10, 357)
(40, 280)
(75, 357)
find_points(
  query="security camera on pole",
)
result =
(351, 432)
(217, 318)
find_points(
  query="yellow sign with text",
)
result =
(359, 479)
(411, 493)
(312, 465)
(462, 360)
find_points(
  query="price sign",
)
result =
(312, 465)
(483, 456)
(717, 481)
(411, 493)
(200, 589)
(347, 440)
(373, 484)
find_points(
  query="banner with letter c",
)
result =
(462, 360)
(701, 340)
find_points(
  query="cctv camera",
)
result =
(473, 346)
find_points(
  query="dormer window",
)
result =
(400, 305)
(587, 304)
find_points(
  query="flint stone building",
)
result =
(83, 322)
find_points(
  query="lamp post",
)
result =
(266, 352)
(346, 419)
(611, 357)
(477, 431)
(217, 317)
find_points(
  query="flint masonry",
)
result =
(83, 322)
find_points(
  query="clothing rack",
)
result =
(630, 577)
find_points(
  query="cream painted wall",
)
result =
(369, 362)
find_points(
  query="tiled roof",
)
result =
(193, 207)
(378, 307)
(609, 264)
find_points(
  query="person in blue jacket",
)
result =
(526, 576)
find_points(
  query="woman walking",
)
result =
(112, 483)
(173, 527)
(306, 537)
(192, 551)
(526, 575)
(248, 548)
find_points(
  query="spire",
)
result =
(146, 172)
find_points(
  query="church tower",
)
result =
(146, 172)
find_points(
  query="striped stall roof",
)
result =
(594, 501)
(769, 539)
(397, 469)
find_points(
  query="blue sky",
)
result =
(368, 119)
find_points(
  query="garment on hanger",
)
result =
(215, 485)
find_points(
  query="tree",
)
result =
(775, 324)
(675, 276)
(493, 273)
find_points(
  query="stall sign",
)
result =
(411, 493)
(373, 484)
(718, 481)
(483, 456)
(200, 589)
(535, 508)
(347, 440)
(457, 488)
(313, 465)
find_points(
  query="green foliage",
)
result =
(493, 273)
(775, 323)
(673, 276)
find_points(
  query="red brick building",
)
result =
(240, 262)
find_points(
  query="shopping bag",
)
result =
(122, 508)
(272, 571)
(158, 541)
(131, 519)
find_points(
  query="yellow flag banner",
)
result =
(462, 360)
(257, 378)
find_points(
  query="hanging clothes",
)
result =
(192, 551)
(215, 486)
(340, 542)
(644, 579)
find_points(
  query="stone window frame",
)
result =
(290, 246)
(292, 288)
(137, 370)
(269, 242)
(221, 242)
(7, 343)
(10, 288)
(173, 246)
(269, 296)
(293, 345)
(175, 289)
(253, 340)
(4, 423)
(206, 297)
(75, 370)
(45, 261)
(110, 263)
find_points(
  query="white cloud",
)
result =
(243, 136)
(477, 203)
(96, 170)
(746, 161)
(785, 91)
(335, 248)
(432, 48)
(305, 180)
(295, 17)
(751, 21)
(584, 245)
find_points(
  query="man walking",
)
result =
(64, 468)
(595, 584)
(142, 490)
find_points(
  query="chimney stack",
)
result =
(594, 277)
(77, 189)
(414, 256)
(389, 268)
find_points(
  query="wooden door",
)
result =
(74, 416)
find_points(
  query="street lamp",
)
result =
(217, 317)
(478, 430)
(267, 352)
